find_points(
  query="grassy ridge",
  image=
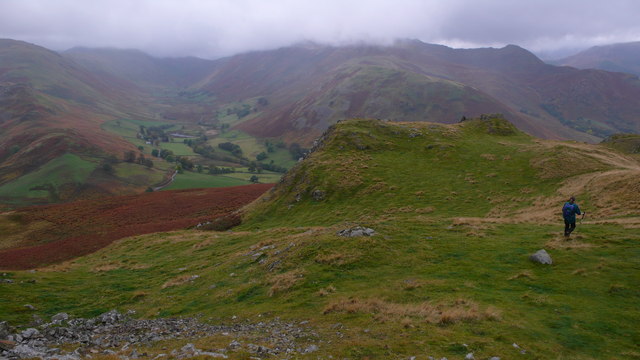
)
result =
(448, 265)
(451, 171)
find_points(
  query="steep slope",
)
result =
(142, 69)
(309, 87)
(456, 210)
(52, 107)
(624, 57)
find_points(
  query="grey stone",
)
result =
(5, 330)
(25, 352)
(356, 231)
(494, 358)
(29, 306)
(30, 333)
(541, 257)
(469, 357)
(318, 195)
(110, 317)
(310, 349)
(60, 317)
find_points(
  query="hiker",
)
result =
(569, 211)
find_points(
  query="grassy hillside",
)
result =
(457, 209)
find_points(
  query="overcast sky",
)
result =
(218, 28)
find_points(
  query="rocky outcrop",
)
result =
(356, 231)
(118, 334)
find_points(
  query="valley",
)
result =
(319, 180)
(85, 123)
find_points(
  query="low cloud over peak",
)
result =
(218, 28)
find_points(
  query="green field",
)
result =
(264, 177)
(67, 168)
(191, 180)
(250, 145)
(457, 210)
(139, 175)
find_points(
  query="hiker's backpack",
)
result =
(567, 210)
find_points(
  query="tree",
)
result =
(231, 147)
(141, 159)
(108, 168)
(296, 151)
(148, 163)
(199, 168)
(252, 166)
(261, 156)
(155, 153)
(270, 147)
(129, 156)
(254, 179)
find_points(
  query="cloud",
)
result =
(223, 27)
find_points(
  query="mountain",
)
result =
(309, 87)
(141, 69)
(68, 118)
(624, 57)
(456, 212)
(51, 124)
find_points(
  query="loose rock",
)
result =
(541, 257)
(115, 331)
(356, 231)
(5, 330)
(60, 317)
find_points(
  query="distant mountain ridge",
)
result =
(309, 88)
(57, 103)
(623, 57)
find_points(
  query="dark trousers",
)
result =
(569, 226)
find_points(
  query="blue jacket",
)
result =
(570, 215)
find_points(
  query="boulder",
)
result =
(541, 257)
(110, 317)
(60, 317)
(356, 231)
(30, 333)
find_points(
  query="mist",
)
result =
(212, 29)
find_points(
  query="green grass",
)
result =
(584, 305)
(457, 173)
(264, 177)
(139, 175)
(249, 144)
(410, 183)
(65, 169)
(190, 180)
